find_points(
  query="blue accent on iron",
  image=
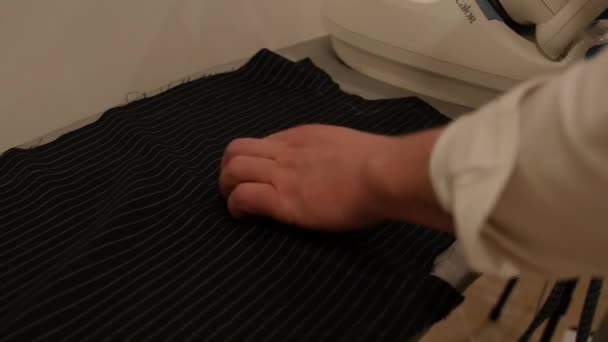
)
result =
(604, 15)
(594, 50)
(488, 10)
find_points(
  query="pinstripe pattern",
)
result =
(587, 314)
(116, 230)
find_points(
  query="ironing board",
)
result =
(451, 265)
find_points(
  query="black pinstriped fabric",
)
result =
(116, 230)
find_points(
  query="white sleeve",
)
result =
(526, 176)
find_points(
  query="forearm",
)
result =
(400, 180)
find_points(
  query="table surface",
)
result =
(451, 265)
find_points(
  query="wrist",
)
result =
(400, 183)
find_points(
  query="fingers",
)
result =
(250, 147)
(242, 169)
(257, 199)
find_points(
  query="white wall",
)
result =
(63, 60)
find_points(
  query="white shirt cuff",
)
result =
(470, 165)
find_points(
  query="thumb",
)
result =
(259, 199)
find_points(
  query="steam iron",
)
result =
(461, 51)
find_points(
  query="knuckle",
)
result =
(238, 145)
(310, 128)
(233, 145)
(238, 199)
(275, 176)
(225, 182)
(285, 157)
(225, 175)
(231, 170)
(301, 135)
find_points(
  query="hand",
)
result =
(312, 176)
(332, 178)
